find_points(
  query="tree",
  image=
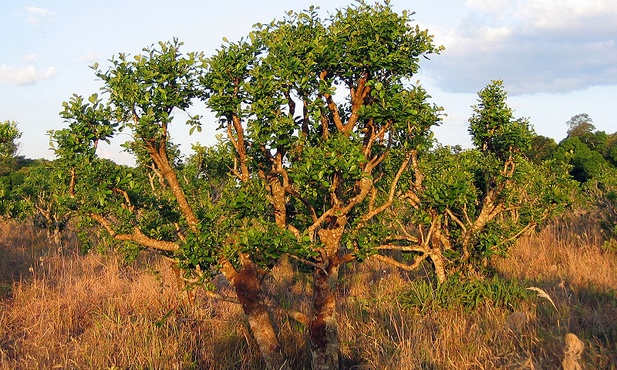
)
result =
(580, 124)
(11, 171)
(612, 149)
(461, 207)
(9, 134)
(589, 152)
(10, 203)
(541, 149)
(323, 123)
(44, 198)
(600, 195)
(585, 163)
(149, 207)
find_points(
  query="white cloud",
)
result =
(495, 7)
(30, 58)
(90, 57)
(37, 15)
(25, 75)
(561, 14)
(545, 46)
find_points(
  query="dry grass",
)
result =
(68, 311)
(568, 261)
(96, 312)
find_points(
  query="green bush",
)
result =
(468, 294)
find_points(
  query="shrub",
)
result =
(456, 292)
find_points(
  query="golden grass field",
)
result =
(63, 310)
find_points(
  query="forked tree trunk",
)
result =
(247, 284)
(324, 327)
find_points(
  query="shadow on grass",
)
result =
(587, 311)
(21, 246)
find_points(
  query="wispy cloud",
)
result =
(28, 75)
(90, 57)
(542, 46)
(30, 58)
(36, 15)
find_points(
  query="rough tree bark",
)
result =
(324, 324)
(324, 328)
(247, 283)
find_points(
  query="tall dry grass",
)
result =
(569, 261)
(69, 311)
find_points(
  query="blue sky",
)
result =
(557, 58)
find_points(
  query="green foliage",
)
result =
(586, 163)
(11, 205)
(15, 175)
(376, 40)
(611, 154)
(492, 126)
(313, 170)
(467, 294)
(450, 178)
(9, 133)
(462, 206)
(89, 123)
(590, 153)
(601, 195)
(145, 89)
(141, 94)
(580, 125)
(541, 149)
(286, 96)
(459, 185)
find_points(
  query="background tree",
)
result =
(29, 189)
(9, 134)
(600, 203)
(592, 156)
(586, 163)
(611, 145)
(580, 124)
(589, 152)
(541, 149)
(12, 172)
(44, 197)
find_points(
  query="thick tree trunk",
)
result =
(247, 283)
(325, 348)
(324, 327)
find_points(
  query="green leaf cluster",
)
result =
(467, 294)
(585, 155)
(492, 126)
(89, 123)
(144, 90)
(9, 134)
